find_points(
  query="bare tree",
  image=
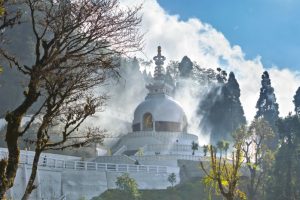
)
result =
(76, 43)
(257, 154)
(8, 18)
(63, 113)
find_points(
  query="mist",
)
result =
(189, 94)
(128, 91)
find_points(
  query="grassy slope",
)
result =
(191, 190)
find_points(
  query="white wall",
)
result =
(48, 182)
(87, 182)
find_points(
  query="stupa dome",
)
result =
(162, 111)
(159, 111)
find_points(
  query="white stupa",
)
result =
(160, 124)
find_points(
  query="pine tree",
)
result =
(284, 180)
(221, 110)
(221, 76)
(232, 94)
(297, 102)
(185, 67)
(266, 104)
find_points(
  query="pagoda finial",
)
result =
(159, 85)
(159, 61)
(159, 50)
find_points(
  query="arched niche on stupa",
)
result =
(147, 122)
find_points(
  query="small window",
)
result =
(147, 122)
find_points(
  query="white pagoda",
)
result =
(160, 124)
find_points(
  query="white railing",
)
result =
(114, 159)
(171, 147)
(171, 157)
(168, 135)
(88, 166)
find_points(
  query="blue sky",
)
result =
(269, 28)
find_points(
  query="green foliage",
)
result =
(257, 154)
(140, 152)
(221, 109)
(191, 190)
(195, 147)
(296, 102)
(223, 175)
(222, 75)
(284, 178)
(226, 147)
(128, 186)
(2, 9)
(172, 179)
(289, 129)
(220, 145)
(223, 145)
(185, 67)
(266, 104)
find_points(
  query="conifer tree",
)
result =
(221, 76)
(185, 67)
(232, 94)
(266, 104)
(297, 102)
(284, 180)
(221, 109)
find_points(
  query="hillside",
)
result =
(190, 190)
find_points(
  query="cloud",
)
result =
(209, 47)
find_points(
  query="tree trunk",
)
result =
(30, 185)
(10, 170)
(38, 150)
(251, 186)
(12, 134)
(288, 186)
(2, 195)
(229, 196)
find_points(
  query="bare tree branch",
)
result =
(77, 47)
